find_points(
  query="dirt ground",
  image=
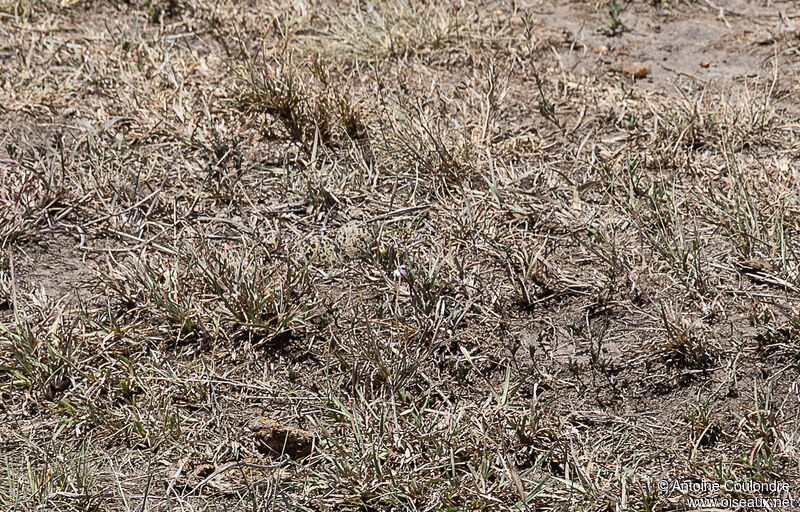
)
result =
(400, 255)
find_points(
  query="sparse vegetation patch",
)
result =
(400, 255)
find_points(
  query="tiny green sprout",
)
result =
(615, 8)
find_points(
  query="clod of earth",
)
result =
(634, 69)
(273, 438)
